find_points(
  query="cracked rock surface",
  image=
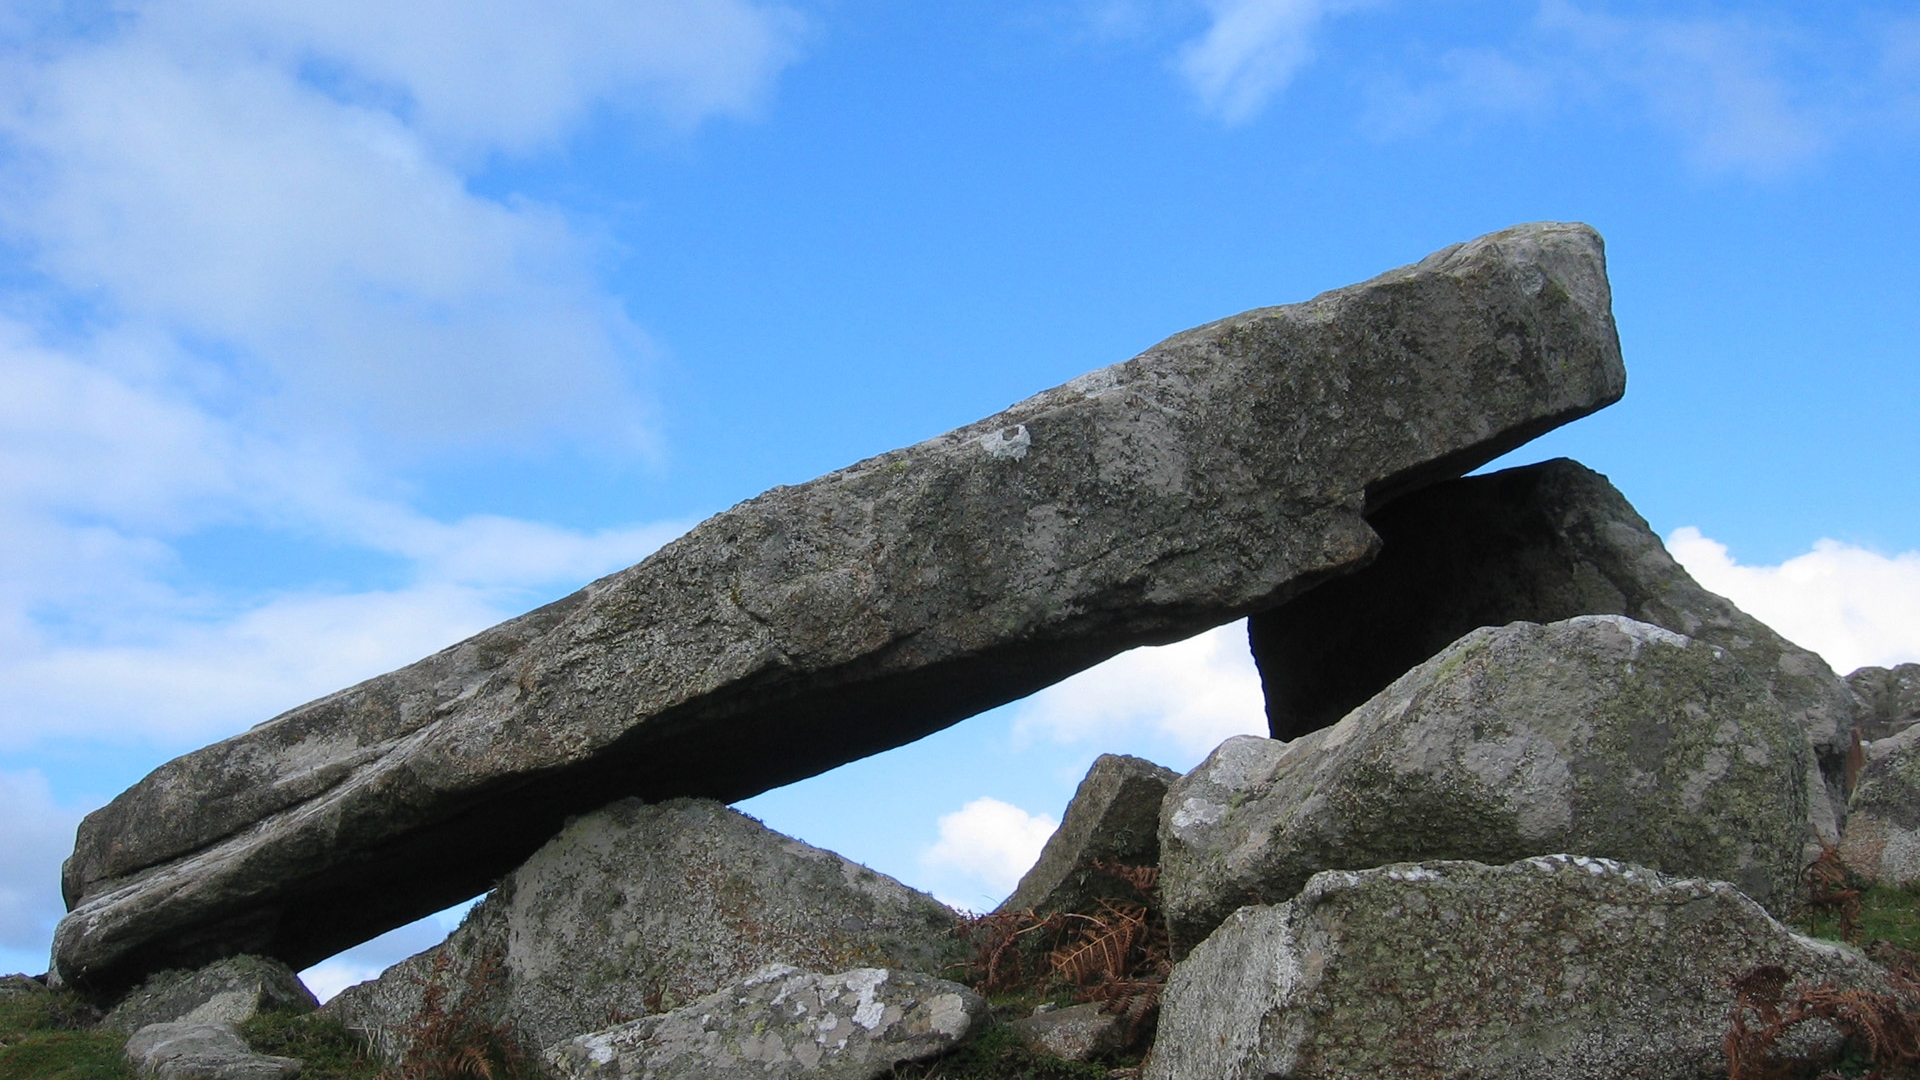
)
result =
(1598, 734)
(783, 1022)
(1559, 968)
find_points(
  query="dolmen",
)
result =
(1219, 474)
(1536, 804)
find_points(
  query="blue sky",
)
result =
(332, 333)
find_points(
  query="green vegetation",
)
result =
(50, 1035)
(1891, 915)
(329, 1050)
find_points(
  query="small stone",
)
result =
(1597, 734)
(783, 1022)
(229, 991)
(200, 1051)
(1555, 968)
(1075, 1033)
(1114, 818)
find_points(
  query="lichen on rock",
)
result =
(1597, 734)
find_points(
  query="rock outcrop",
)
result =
(1562, 967)
(640, 909)
(230, 991)
(1882, 841)
(780, 1023)
(1114, 818)
(1597, 735)
(1539, 543)
(1217, 474)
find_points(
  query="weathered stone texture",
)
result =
(1540, 543)
(1889, 699)
(229, 991)
(642, 908)
(1114, 818)
(1075, 1033)
(1560, 967)
(188, 1050)
(1883, 827)
(1217, 474)
(782, 1022)
(1598, 734)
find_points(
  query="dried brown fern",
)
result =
(459, 1043)
(1833, 888)
(1885, 1025)
(1104, 947)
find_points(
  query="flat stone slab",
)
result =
(188, 1050)
(782, 1022)
(1554, 968)
(1597, 734)
(1217, 474)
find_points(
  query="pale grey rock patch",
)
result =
(783, 1022)
(201, 1051)
(639, 909)
(1882, 840)
(1596, 734)
(1217, 474)
(1539, 543)
(1561, 967)
(230, 991)
(1114, 818)
(1075, 1033)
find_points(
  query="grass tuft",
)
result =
(52, 1035)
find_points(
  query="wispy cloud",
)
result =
(1251, 50)
(1736, 91)
(1852, 606)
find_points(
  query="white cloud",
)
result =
(1716, 82)
(98, 477)
(988, 844)
(250, 275)
(1852, 606)
(1251, 51)
(510, 75)
(1196, 693)
(35, 835)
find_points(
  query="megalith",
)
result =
(1598, 735)
(1217, 474)
(1538, 543)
